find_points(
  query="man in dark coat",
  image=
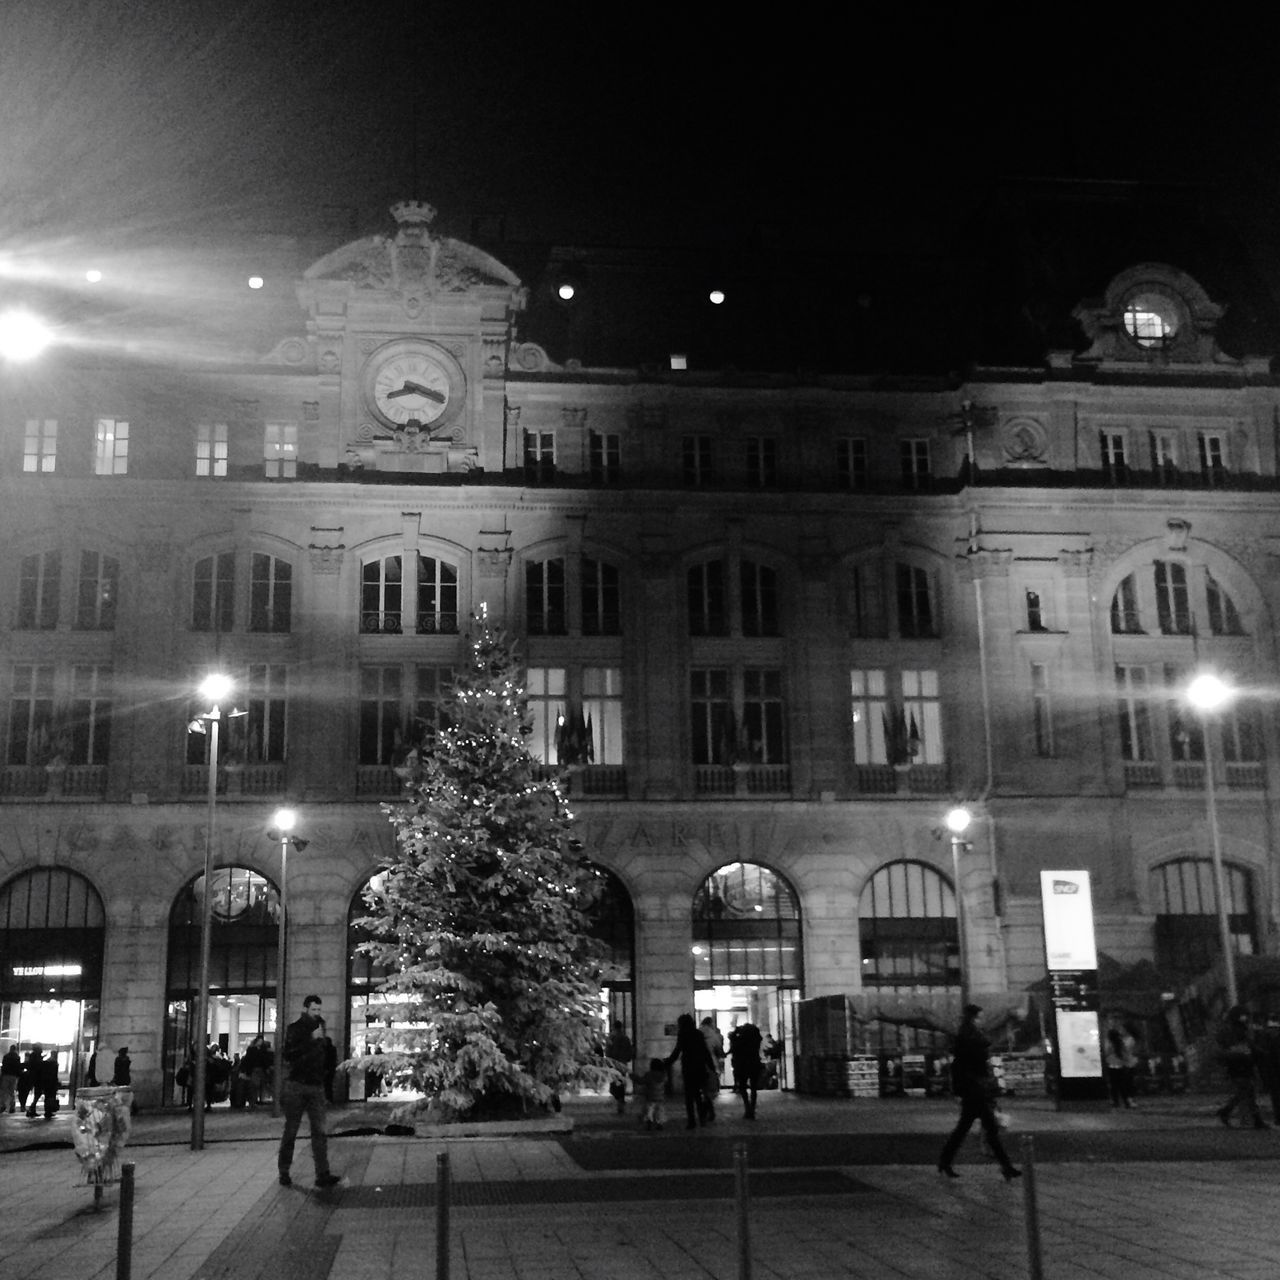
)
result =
(122, 1069)
(744, 1056)
(303, 1090)
(618, 1049)
(32, 1080)
(970, 1080)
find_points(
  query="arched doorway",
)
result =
(747, 952)
(52, 929)
(245, 915)
(1188, 941)
(612, 919)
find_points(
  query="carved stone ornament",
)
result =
(326, 560)
(1177, 533)
(1025, 443)
(1075, 564)
(529, 357)
(493, 562)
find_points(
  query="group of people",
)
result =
(30, 1081)
(702, 1053)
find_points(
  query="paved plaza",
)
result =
(1160, 1192)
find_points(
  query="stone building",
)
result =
(798, 614)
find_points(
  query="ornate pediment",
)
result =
(414, 264)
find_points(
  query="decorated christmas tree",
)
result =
(480, 919)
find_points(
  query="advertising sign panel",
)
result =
(1071, 955)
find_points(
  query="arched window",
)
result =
(52, 927)
(244, 920)
(52, 931)
(907, 925)
(746, 928)
(1187, 930)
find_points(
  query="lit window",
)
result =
(602, 713)
(679, 360)
(211, 449)
(1150, 321)
(545, 691)
(281, 450)
(111, 447)
(539, 457)
(40, 447)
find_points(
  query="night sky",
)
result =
(597, 123)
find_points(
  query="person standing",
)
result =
(49, 1085)
(1121, 1060)
(32, 1081)
(697, 1069)
(970, 1079)
(303, 1091)
(618, 1048)
(10, 1072)
(744, 1057)
(122, 1068)
(1240, 1061)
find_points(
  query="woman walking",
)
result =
(696, 1068)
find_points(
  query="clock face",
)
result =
(411, 386)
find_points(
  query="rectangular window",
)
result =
(1213, 457)
(211, 449)
(763, 717)
(601, 599)
(381, 583)
(1035, 610)
(602, 709)
(90, 714)
(759, 585)
(1133, 697)
(915, 603)
(708, 599)
(264, 726)
(1115, 464)
(31, 727)
(381, 734)
(545, 692)
(280, 450)
(1164, 456)
(1241, 732)
(111, 447)
(539, 457)
(40, 445)
(914, 456)
(852, 470)
(213, 593)
(922, 707)
(39, 587)
(713, 734)
(604, 457)
(696, 459)
(1173, 604)
(867, 618)
(270, 593)
(96, 592)
(762, 462)
(1041, 709)
(545, 598)
(437, 597)
(1186, 729)
(870, 706)
(432, 687)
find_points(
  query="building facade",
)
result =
(775, 626)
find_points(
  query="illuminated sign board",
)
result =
(47, 970)
(1071, 955)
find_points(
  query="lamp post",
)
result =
(213, 690)
(284, 822)
(23, 336)
(957, 822)
(1208, 693)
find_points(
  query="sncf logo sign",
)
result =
(1066, 886)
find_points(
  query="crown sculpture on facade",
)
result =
(413, 213)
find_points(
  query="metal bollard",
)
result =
(742, 1197)
(1031, 1210)
(124, 1235)
(443, 1189)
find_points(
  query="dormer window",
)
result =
(1151, 320)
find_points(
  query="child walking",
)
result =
(652, 1087)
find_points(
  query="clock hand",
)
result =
(429, 392)
(407, 390)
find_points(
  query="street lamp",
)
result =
(1208, 693)
(284, 822)
(23, 336)
(957, 822)
(214, 690)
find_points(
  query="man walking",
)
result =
(303, 1090)
(744, 1054)
(970, 1068)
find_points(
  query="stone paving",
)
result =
(524, 1209)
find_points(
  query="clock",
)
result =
(410, 381)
